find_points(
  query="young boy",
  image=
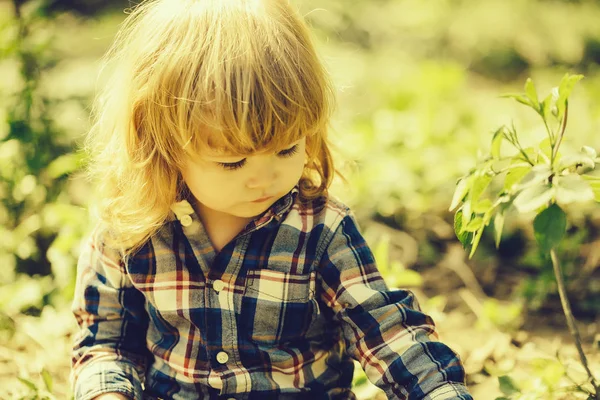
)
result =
(221, 268)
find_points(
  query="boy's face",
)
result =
(244, 186)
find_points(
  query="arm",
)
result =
(109, 353)
(384, 329)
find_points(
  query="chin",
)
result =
(254, 210)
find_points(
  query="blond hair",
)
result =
(246, 69)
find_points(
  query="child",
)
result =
(221, 269)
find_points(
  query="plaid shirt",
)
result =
(278, 313)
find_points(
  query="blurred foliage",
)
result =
(418, 85)
(41, 220)
(419, 96)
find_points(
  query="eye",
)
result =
(288, 152)
(233, 166)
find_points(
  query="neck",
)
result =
(220, 227)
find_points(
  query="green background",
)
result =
(418, 85)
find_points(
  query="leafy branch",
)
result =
(535, 179)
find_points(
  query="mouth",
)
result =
(262, 199)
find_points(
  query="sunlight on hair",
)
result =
(187, 75)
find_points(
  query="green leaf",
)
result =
(564, 91)
(406, 278)
(532, 153)
(65, 164)
(479, 185)
(534, 197)
(462, 188)
(550, 370)
(474, 224)
(508, 385)
(497, 143)
(539, 174)
(566, 85)
(546, 107)
(515, 175)
(576, 160)
(467, 212)
(47, 379)
(483, 206)
(546, 148)
(549, 227)
(381, 253)
(502, 314)
(500, 165)
(360, 380)
(498, 226)
(594, 185)
(463, 237)
(531, 93)
(28, 383)
(589, 151)
(554, 102)
(520, 98)
(476, 238)
(571, 188)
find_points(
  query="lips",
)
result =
(262, 199)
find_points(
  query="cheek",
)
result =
(219, 189)
(202, 182)
(290, 172)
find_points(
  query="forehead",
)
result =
(214, 143)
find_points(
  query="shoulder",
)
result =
(102, 258)
(102, 243)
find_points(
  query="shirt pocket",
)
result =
(278, 307)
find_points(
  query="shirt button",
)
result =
(186, 220)
(222, 357)
(218, 285)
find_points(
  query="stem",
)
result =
(563, 127)
(550, 133)
(569, 316)
(548, 130)
(525, 156)
(513, 139)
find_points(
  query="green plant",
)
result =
(534, 179)
(35, 391)
(39, 224)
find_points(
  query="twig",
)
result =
(563, 127)
(569, 316)
(569, 377)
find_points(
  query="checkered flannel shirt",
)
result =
(278, 313)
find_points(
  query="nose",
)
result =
(263, 175)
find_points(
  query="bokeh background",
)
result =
(418, 86)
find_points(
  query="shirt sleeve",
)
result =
(109, 353)
(395, 343)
